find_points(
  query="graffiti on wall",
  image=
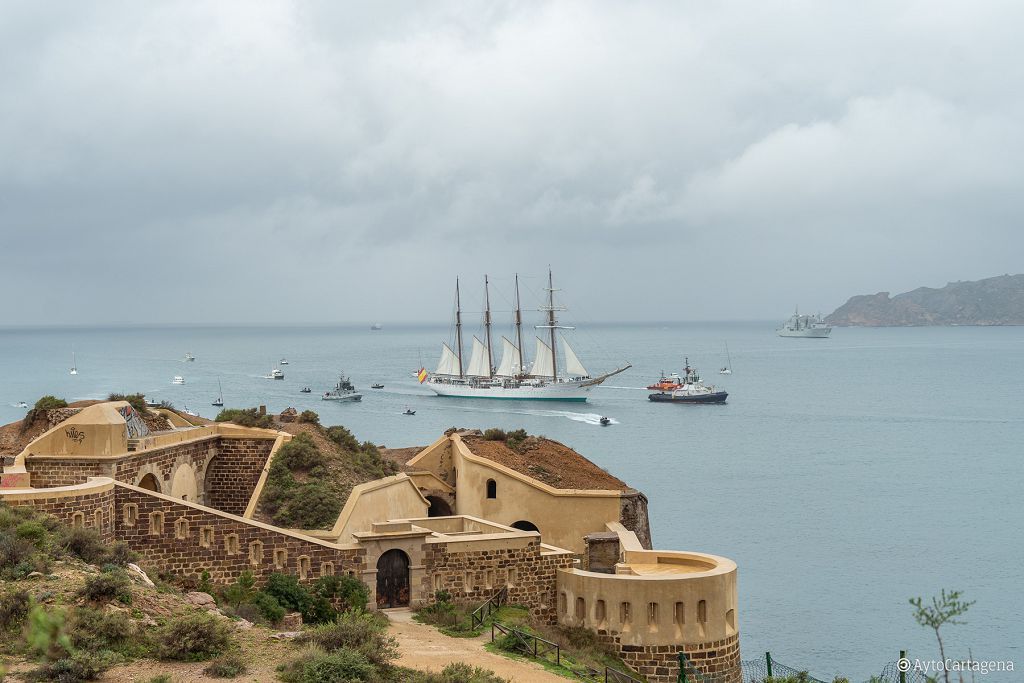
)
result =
(136, 427)
(75, 434)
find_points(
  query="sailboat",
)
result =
(547, 379)
(74, 364)
(220, 396)
(727, 370)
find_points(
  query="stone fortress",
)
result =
(466, 515)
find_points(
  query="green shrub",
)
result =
(19, 557)
(108, 585)
(309, 416)
(13, 609)
(33, 531)
(226, 666)
(370, 463)
(85, 544)
(309, 506)
(317, 666)
(120, 555)
(459, 672)
(136, 401)
(96, 629)
(46, 634)
(78, 666)
(245, 417)
(347, 591)
(301, 453)
(241, 590)
(343, 438)
(49, 402)
(516, 439)
(268, 606)
(495, 434)
(162, 678)
(288, 592)
(362, 632)
(192, 638)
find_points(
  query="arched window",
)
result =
(492, 488)
(524, 525)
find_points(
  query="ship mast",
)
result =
(487, 325)
(458, 325)
(519, 331)
(551, 322)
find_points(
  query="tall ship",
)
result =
(811, 326)
(548, 378)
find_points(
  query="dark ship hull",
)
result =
(713, 397)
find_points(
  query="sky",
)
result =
(335, 162)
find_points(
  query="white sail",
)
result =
(573, 366)
(509, 366)
(449, 363)
(542, 364)
(478, 361)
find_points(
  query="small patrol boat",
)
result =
(342, 391)
(691, 389)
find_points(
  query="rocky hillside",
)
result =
(993, 301)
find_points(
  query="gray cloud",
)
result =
(669, 160)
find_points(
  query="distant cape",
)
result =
(993, 301)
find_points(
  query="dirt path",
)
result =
(424, 647)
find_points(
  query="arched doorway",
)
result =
(439, 507)
(523, 525)
(150, 483)
(393, 579)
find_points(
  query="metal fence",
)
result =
(540, 648)
(770, 669)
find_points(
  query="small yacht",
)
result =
(189, 358)
(190, 412)
(342, 391)
(178, 379)
(691, 389)
(727, 368)
(274, 374)
(74, 364)
(283, 361)
(219, 401)
(305, 390)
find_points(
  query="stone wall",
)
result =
(633, 516)
(602, 552)
(92, 507)
(186, 539)
(232, 476)
(660, 663)
(474, 575)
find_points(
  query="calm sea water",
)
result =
(844, 475)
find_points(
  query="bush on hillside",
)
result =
(299, 454)
(14, 608)
(310, 417)
(192, 638)
(245, 417)
(363, 632)
(49, 402)
(108, 585)
(494, 434)
(226, 666)
(89, 546)
(343, 438)
(78, 666)
(96, 629)
(317, 666)
(136, 401)
(459, 672)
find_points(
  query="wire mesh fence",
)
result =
(770, 670)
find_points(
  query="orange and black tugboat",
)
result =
(688, 388)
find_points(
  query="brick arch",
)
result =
(150, 478)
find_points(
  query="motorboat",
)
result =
(178, 379)
(283, 361)
(152, 403)
(605, 421)
(667, 383)
(409, 411)
(22, 404)
(274, 374)
(189, 358)
(376, 386)
(305, 390)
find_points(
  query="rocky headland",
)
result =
(992, 301)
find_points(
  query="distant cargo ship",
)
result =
(810, 326)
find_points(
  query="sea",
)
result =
(844, 475)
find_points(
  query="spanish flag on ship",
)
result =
(422, 375)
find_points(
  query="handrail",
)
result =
(540, 648)
(493, 603)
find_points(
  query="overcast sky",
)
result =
(333, 162)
